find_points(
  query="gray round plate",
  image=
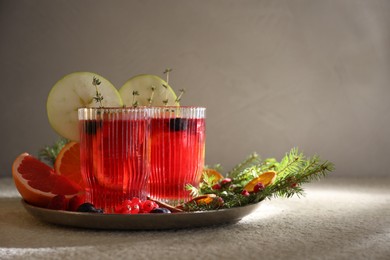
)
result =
(140, 221)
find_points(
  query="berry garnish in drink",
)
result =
(91, 126)
(178, 124)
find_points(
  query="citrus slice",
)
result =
(265, 178)
(73, 91)
(37, 183)
(203, 199)
(68, 163)
(212, 172)
(147, 90)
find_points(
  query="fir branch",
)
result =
(252, 159)
(194, 192)
(299, 172)
(293, 170)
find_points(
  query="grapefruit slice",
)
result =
(73, 91)
(67, 163)
(147, 90)
(37, 183)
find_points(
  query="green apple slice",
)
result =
(73, 91)
(147, 90)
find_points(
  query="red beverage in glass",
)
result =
(177, 155)
(114, 153)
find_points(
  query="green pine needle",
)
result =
(293, 170)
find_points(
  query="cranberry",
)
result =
(148, 206)
(124, 208)
(245, 193)
(134, 209)
(137, 201)
(258, 187)
(226, 181)
(219, 201)
(217, 186)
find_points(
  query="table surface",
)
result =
(336, 219)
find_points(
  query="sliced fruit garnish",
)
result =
(214, 174)
(203, 199)
(145, 90)
(67, 163)
(73, 91)
(37, 183)
(265, 178)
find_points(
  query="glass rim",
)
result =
(178, 107)
(143, 107)
(110, 108)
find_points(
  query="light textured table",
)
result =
(337, 219)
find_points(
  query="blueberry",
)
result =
(160, 210)
(90, 127)
(88, 207)
(178, 124)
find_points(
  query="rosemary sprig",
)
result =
(98, 98)
(49, 153)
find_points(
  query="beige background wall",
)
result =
(272, 74)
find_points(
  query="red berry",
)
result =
(137, 201)
(258, 187)
(148, 206)
(245, 193)
(226, 181)
(134, 209)
(217, 186)
(220, 201)
(58, 202)
(294, 185)
(125, 207)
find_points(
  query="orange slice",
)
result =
(265, 178)
(211, 172)
(68, 163)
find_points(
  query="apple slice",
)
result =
(73, 91)
(147, 90)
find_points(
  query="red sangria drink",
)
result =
(177, 152)
(114, 154)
